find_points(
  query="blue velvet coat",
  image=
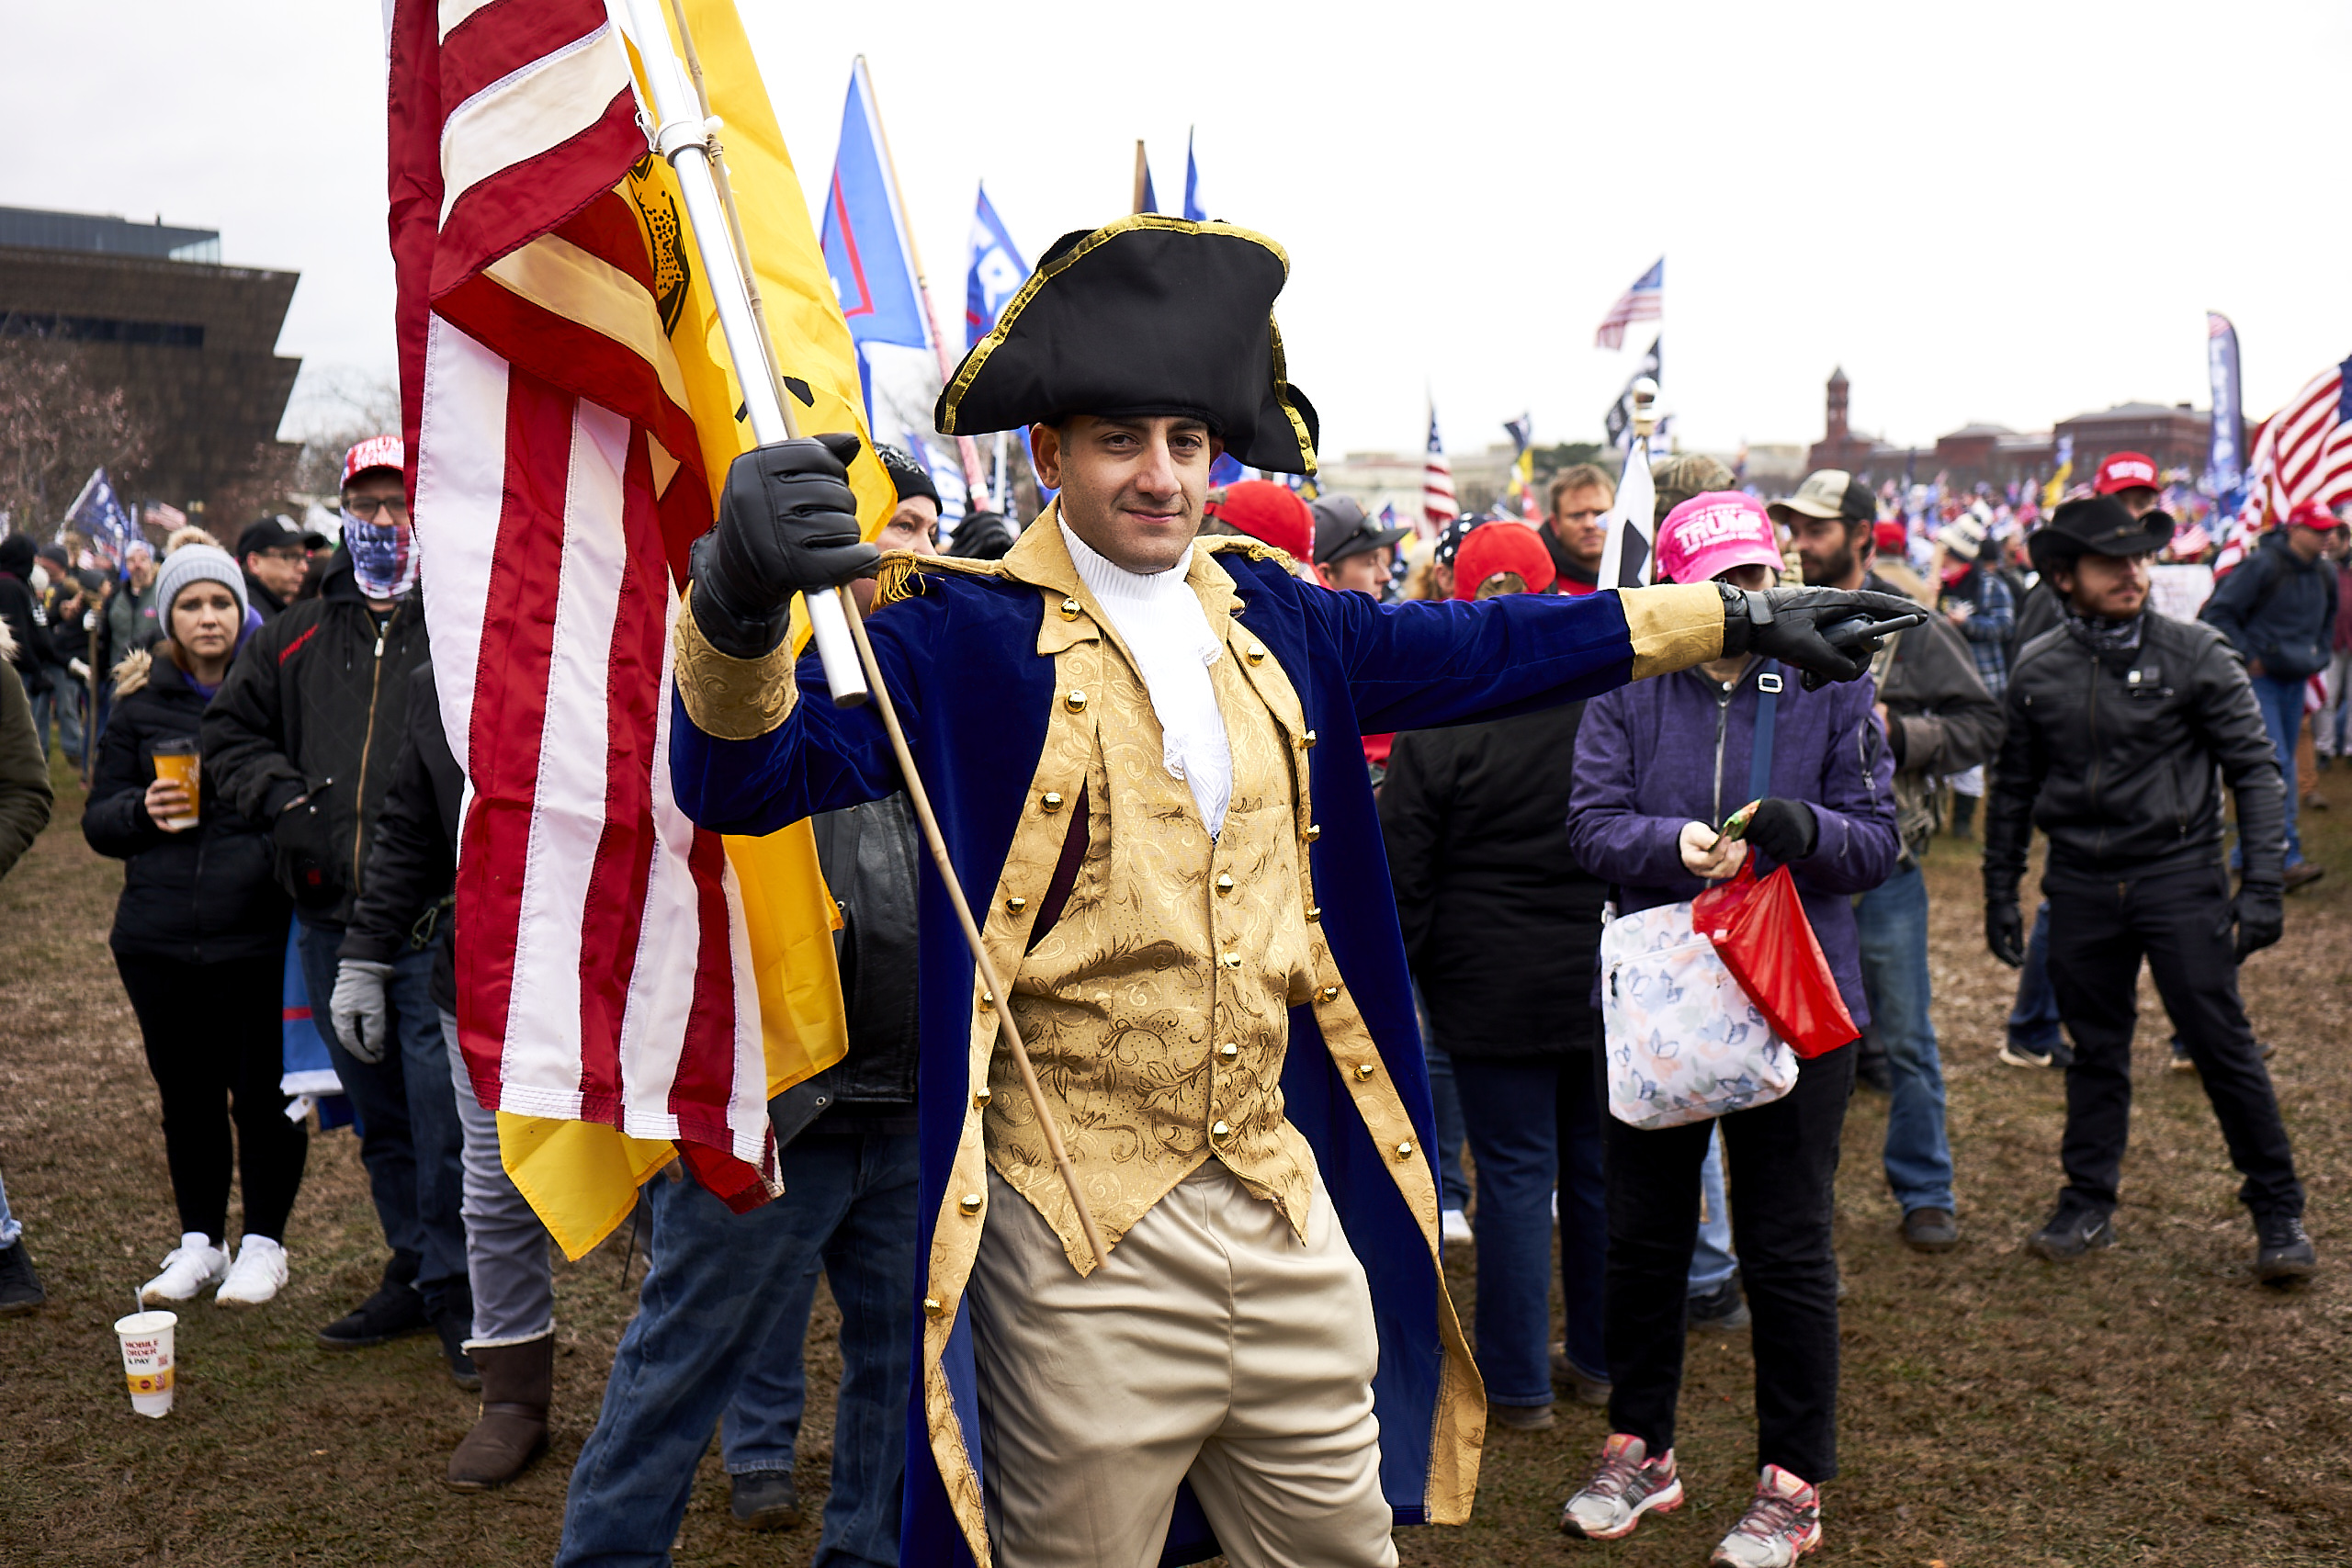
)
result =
(975, 696)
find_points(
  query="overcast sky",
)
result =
(1991, 211)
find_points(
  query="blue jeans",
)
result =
(2282, 714)
(1711, 1262)
(10, 1229)
(719, 1295)
(1445, 1101)
(2033, 1020)
(1534, 1123)
(1893, 922)
(409, 1137)
(63, 696)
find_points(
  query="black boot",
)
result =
(455, 1324)
(20, 1290)
(394, 1312)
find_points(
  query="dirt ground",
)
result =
(2152, 1404)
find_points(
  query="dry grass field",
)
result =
(2150, 1406)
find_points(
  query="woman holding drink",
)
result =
(200, 939)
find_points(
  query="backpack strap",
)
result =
(1768, 683)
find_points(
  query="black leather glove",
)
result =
(1785, 829)
(788, 523)
(2004, 932)
(2260, 912)
(1814, 630)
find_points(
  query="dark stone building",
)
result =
(150, 309)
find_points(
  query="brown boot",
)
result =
(518, 1381)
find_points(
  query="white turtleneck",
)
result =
(1159, 618)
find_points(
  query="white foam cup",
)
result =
(147, 1360)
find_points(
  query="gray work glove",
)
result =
(788, 523)
(1814, 630)
(361, 1009)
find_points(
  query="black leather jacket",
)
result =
(870, 857)
(2120, 759)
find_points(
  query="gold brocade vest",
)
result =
(1155, 1011)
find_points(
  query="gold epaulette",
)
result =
(1256, 549)
(901, 573)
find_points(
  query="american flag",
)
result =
(558, 474)
(1437, 482)
(2305, 451)
(1646, 302)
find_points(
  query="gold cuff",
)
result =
(1673, 625)
(732, 699)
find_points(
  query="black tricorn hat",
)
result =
(1149, 315)
(2099, 526)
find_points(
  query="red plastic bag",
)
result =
(1760, 931)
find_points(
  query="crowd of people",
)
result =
(268, 764)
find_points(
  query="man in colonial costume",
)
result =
(1144, 753)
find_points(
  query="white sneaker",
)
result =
(188, 1267)
(1454, 1228)
(257, 1274)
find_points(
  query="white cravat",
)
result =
(1159, 618)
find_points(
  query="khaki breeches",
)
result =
(1215, 1348)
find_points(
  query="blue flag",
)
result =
(1150, 196)
(98, 515)
(1226, 470)
(2226, 451)
(865, 241)
(1193, 212)
(998, 272)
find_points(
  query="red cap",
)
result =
(1264, 509)
(2126, 471)
(1893, 538)
(2311, 514)
(376, 452)
(1493, 548)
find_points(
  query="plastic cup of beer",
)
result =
(147, 1360)
(176, 760)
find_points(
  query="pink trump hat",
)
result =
(1712, 533)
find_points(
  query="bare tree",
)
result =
(56, 424)
(341, 407)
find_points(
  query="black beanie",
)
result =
(17, 555)
(905, 474)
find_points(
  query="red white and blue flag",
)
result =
(2304, 453)
(1645, 301)
(1437, 482)
(865, 237)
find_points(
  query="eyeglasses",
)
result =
(366, 507)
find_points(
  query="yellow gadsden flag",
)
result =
(581, 1176)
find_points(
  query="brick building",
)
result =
(2174, 436)
(150, 310)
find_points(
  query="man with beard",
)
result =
(2123, 725)
(1939, 719)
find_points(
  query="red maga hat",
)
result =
(1493, 549)
(2125, 470)
(1265, 510)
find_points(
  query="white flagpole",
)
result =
(682, 137)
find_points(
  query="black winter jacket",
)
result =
(2277, 608)
(315, 706)
(412, 856)
(201, 895)
(2120, 759)
(869, 855)
(37, 652)
(1501, 925)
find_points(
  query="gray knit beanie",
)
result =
(192, 564)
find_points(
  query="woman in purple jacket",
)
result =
(1660, 765)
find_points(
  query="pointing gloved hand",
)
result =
(2004, 932)
(788, 523)
(1815, 630)
(1785, 829)
(2261, 915)
(360, 1010)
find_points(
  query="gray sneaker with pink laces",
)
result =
(1782, 1523)
(1625, 1485)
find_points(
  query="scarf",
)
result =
(383, 557)
(2100, 635)
(1159, 618)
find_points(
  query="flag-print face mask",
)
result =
(383, 557)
